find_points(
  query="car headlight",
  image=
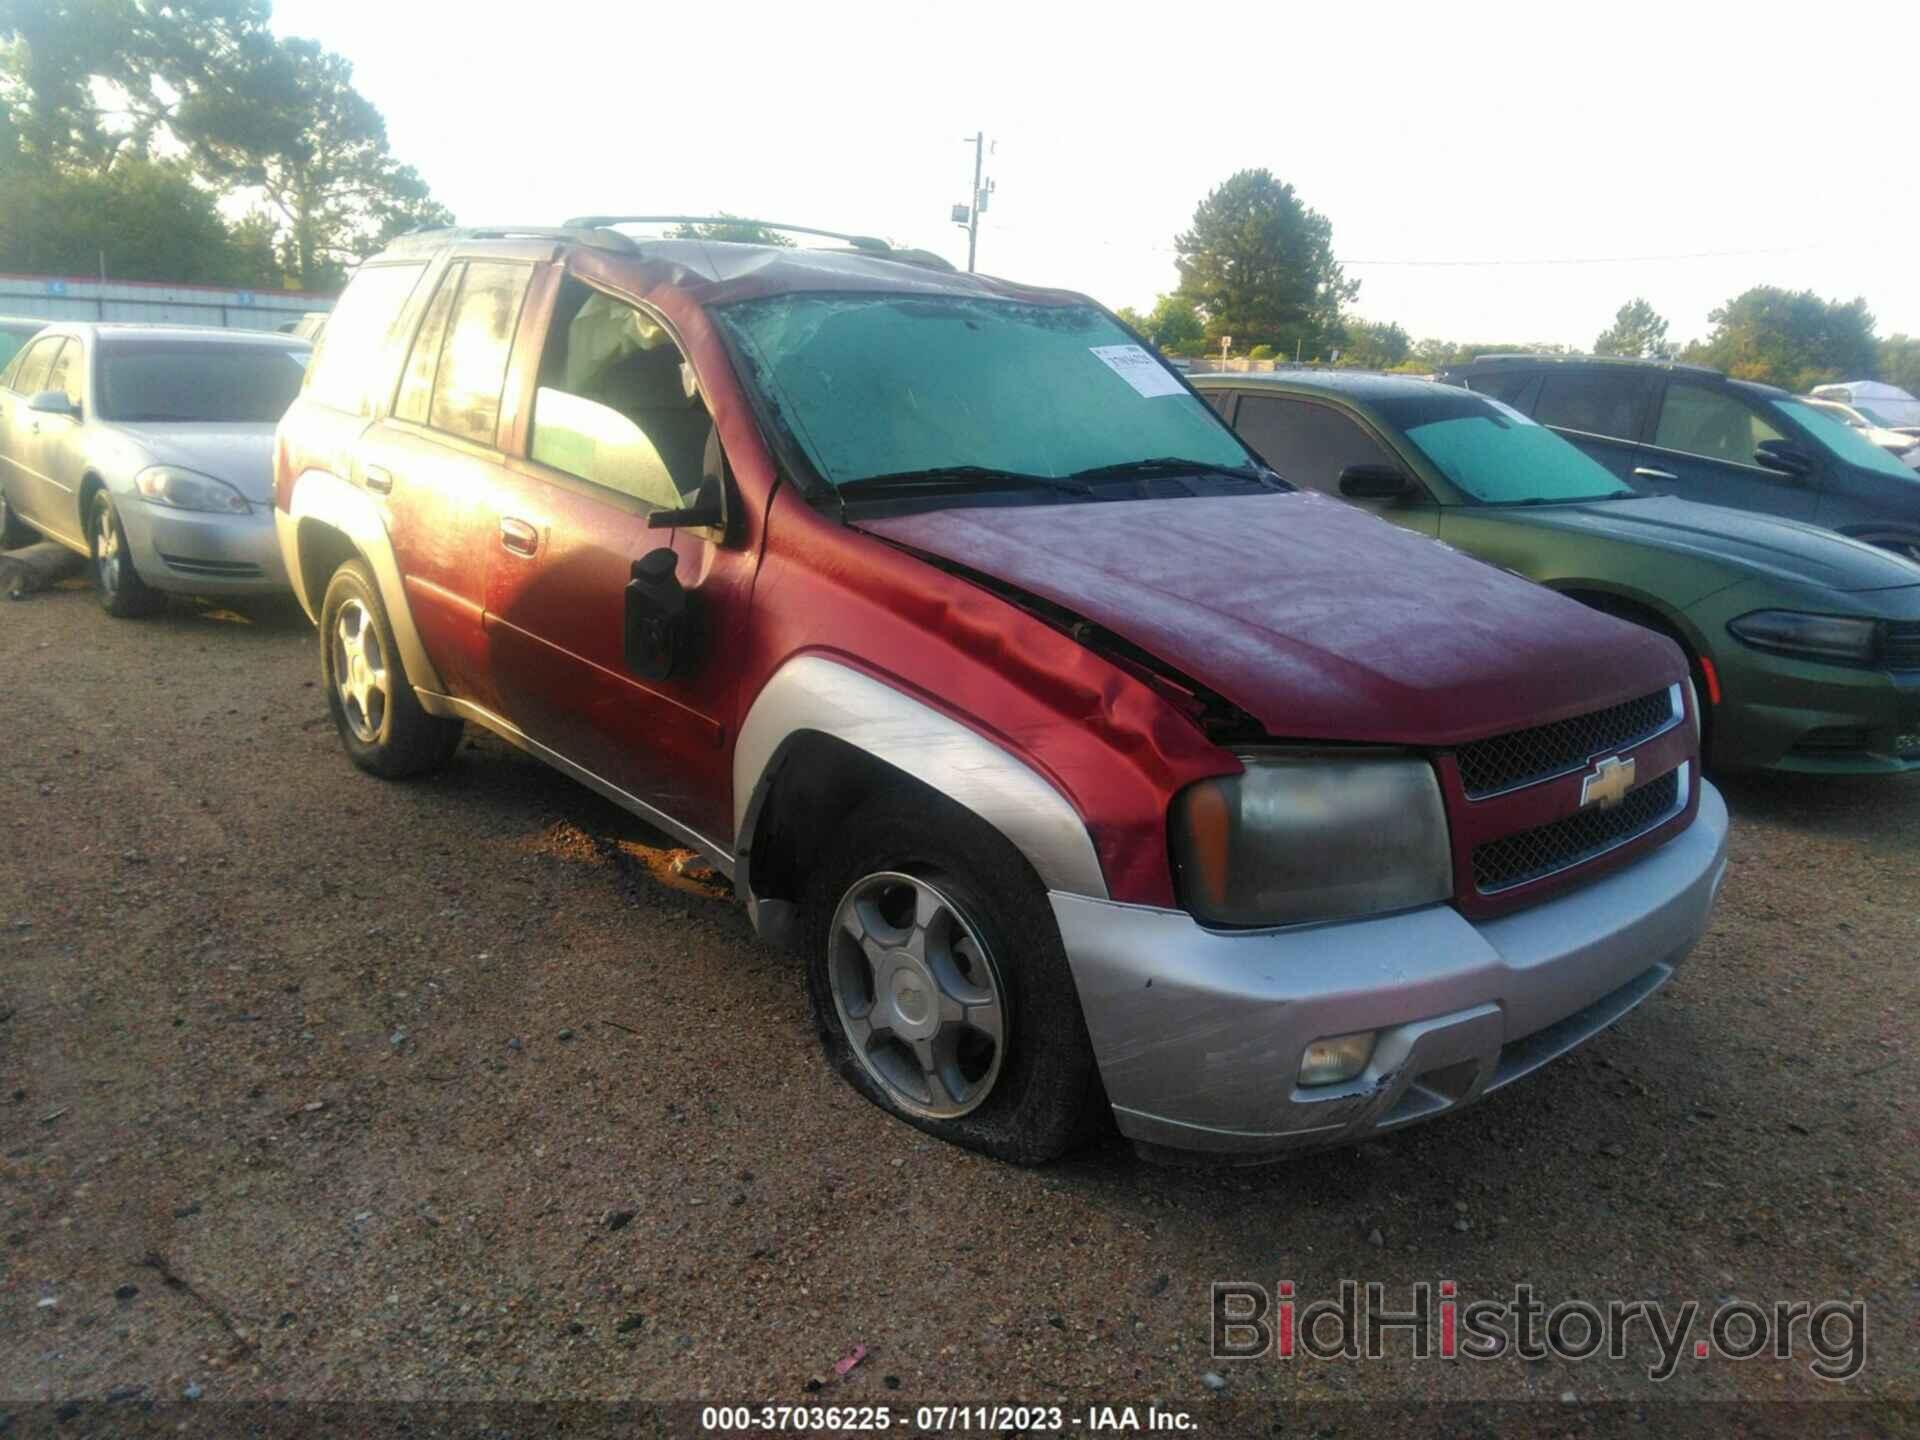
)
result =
(1810, 637)
(1305, 837)
(187, 490)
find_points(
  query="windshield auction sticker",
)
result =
(1139, 369)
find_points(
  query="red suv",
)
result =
(1088, 766)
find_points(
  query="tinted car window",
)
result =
(1518, 388)
(1595, 403)
(416, 384)
(1308, 444)
(31, 378)
(473, 362)
(168, 382)
(348, 361)
(1702, 421)
(65, 373)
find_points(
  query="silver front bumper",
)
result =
(1199, 1033)
(198, 553)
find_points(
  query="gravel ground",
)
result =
(317, 1087)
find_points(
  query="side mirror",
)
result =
(1784, 456)
(1375, 482)
(53, 402)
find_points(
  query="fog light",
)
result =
(1338, 1057)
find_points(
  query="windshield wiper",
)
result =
(960, 479)
(1176, 465)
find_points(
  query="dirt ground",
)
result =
(313, 1086)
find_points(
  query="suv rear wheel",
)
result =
(379, 718)
(939, 985)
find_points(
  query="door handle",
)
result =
(518, 536)
(1644, 473)
(379, 480)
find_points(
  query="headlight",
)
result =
(186, 490)
(1811, 637)
(1305, 837)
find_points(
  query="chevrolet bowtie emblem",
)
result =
(1608, 783)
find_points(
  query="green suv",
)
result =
(1804, 645)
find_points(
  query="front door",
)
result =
(1309, 444)
(616, 430)
(1702, 448)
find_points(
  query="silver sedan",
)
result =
(149, 449)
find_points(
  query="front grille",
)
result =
(217, 569)
(1524, 756)
(1902, 648)
(1515, 859)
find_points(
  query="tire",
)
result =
(930, 882)
(123, 594)
(378, 716)
(14, 532)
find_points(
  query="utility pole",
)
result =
(969, 214)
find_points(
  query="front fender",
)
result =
(320, 499)
(814, 693)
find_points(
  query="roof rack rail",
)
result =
(582, 234)
(603, 222)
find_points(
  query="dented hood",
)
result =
(1320, 620)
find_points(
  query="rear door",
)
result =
(613, 428)
(436, 458)
(1603, 411)
(1702, 448)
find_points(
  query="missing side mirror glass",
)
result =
(659, 617)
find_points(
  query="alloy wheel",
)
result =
(107, 557)
(918, 995)
(360, 671)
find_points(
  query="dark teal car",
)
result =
(1804, 645)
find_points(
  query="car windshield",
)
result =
(897, 385)
(1842, 439)
(1499, 456)
(198, 383)
(1891, 413)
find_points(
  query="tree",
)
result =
(291, 125)
(1370, 346)
(1637, 332)
(1259, 266)
(91, 81)
(1899, 363)
(1790, 338)
(1175, 325)
(1439, 354)
(142, 220)
(743, 232)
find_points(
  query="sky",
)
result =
(1491, 172)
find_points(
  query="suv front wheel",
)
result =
(939, 985)
(379, 718)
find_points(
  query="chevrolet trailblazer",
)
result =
(1089, 767)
